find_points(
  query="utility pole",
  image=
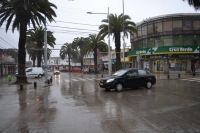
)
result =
(123, 34)
(45, 51)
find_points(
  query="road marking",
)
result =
(75, 80)
(67, 80)
(82, 79)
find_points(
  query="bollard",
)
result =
(48, 81)
(35, 85)
(51, 79)
(193, 74)
(168, 76)
(21, 87)
(179, 75)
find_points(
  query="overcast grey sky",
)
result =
(73, 21)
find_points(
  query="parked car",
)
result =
(88, 70)
(56, 72)
(33, 72)
(128, 78)
(75, 69)
(64, 70)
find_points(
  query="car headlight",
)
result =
(110, 80)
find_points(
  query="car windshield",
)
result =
(120, 72)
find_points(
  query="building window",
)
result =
(159, 41)
(150, 42)
(167, 27)
(144, 43)
(139, 32)
(196, 25)
(150, 29)
(158, 28)
(177, 26)
(178, 40)
(187, 40)
(187, 25)
(168, 41)
(196, 40)
(144, 30)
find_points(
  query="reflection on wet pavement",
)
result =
(82, 107)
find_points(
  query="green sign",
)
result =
(166, 50)
(163, 56)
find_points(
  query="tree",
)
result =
(67, 51)
(30, 47)
(95, 43)
(116, 27)
(194, 3)
(22, 13)
(78, 43)
(37, 36)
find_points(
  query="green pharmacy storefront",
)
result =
(167, 59)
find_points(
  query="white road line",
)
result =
(75, 80)
(67, 80)
(89, 78)
(82, 79)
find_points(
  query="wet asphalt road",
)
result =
(76, 104)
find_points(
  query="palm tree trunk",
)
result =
(117, 50)
(69, 62)
(95, 60)
(21, 78)
(34, 63)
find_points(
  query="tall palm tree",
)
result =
(37, 35)
(194, 3)
(67, 51)
(78, 43)
(95, 43)
(116, 27)
(19, 14)
(33, 53)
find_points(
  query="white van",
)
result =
(34, 72)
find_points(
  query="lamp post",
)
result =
(109, 58)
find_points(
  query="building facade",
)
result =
(168, 43)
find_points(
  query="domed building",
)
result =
(167, 43)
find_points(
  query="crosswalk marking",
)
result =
(81, 79)
(192, 79)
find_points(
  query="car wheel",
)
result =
(118, 87)
(148, 85)
(39, 76)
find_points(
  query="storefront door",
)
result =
(158, 66)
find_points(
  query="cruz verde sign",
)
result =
(166, 50)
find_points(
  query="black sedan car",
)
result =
(128, 78)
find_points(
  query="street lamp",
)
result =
(109, 58)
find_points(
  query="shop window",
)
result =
(187, 25)
(159, 42)
(168, 41)
(178, 40)
(177, 26)
(167, 26)
(177, 65)
(158, 28)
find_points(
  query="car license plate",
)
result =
(101, 84)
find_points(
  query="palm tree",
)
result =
(37, 35)
(95, 43)
(194, 3)
(33, 53)
(78, 43)
(116, 27)
(22, 13)
(67, 51)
